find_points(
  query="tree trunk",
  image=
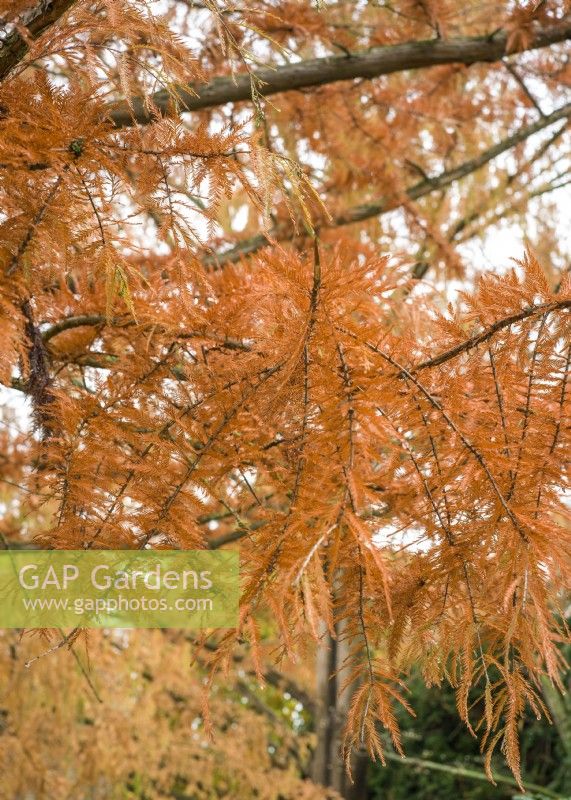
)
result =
(328, 768)
(324, 708)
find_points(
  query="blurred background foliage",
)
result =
(122, 717)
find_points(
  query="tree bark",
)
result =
(320, 71)
(328, 768)
(326, 691)
(36, 20)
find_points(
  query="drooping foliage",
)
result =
(387, 464)
(443, 759)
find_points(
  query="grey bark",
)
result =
(13, 46)
(326, 691)
(320, 71)
(333, 665)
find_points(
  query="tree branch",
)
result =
(36, 20)
(73, 322)
(388, 203)
(474, 341)
(234, 535)
(523, 86)
(472, 774)
(96, 320)
(320, 71)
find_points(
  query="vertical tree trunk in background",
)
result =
(324, 708)
(328, 769)
(360, 768)
(339, 778)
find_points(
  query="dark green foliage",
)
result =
(437, 735)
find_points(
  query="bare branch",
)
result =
(73, 322)
(95, 320)
(523, 86)
(320, 71)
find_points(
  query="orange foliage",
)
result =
(382, 463)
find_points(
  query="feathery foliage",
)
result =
(389, 466)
